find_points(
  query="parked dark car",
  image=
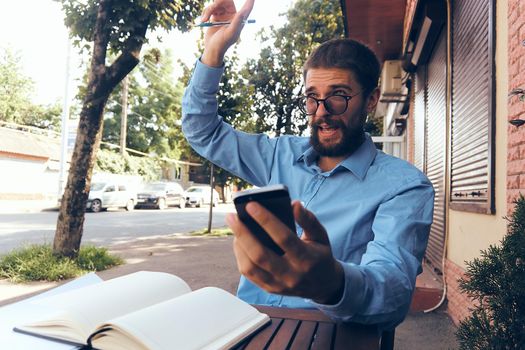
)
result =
(161, 195)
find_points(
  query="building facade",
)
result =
(460, 60)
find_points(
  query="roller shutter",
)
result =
(472, 119)
(436, 139)
(419, 118)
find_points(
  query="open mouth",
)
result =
(328, 130)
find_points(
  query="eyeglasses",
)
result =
(335, 104)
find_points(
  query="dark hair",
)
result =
(347, 54)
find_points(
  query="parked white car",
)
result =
(103, 195)
(197, 196)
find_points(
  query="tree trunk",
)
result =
(73, 205)
(102, 81)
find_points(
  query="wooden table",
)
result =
(300, 329)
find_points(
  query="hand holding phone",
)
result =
(276, 199)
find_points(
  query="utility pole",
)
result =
(211, 199)
(64, 127)
(124, 116)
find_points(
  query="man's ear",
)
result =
(373, 98)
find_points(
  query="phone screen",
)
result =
(274, 198)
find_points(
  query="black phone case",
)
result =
(278, 202)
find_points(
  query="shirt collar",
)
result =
(358, 162)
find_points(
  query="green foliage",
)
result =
(154, 108)
(113, 162)
(496, 283)
(217, 232)
(126, 18)
(37, 263)
(277, 75)
(235, 106)
(15, 97)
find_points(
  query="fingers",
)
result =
(278, 231)
(219, 10)
(206, 14)
(246, 267)
(256, 252)
(237, 23)
(246, 9)
(313, 230)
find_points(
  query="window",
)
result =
(473, 112)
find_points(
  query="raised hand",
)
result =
(218, 40)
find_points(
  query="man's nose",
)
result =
(321, 110)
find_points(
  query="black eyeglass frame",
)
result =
(303, 99)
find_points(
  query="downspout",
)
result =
(447, 153)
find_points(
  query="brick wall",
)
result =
(458, 303)
(516, 136)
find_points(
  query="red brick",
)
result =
(522, 152)
(513, 153)
(458, 303)
(514, 108)
(522, 183)
(516, 137)
(513, 181)
(513, 14)
(512, 194)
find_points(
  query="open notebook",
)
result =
(145, 310)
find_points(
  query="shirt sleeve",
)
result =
(249, 156)
(379, 289)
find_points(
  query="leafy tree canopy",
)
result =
(277, 74)
(154, 108)
(126, 19)
(15, 96)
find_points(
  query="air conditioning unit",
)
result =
(392, 89)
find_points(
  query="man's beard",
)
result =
(351, 139)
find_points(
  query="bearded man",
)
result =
(363, 217)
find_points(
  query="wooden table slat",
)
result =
(305, 336)
(297, 329)
(261, 340)
(354, 336)
(323, 336)
(284, 336)
(294, 314)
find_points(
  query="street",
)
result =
(107, 228)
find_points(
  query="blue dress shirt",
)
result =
(377, 209)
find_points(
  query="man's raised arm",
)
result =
(219, 39)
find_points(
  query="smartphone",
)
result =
(276, 199)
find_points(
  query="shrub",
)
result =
(37, 263)
(496, 283)
(114, 163)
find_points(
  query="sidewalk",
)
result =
(26, 206)
(209, 261)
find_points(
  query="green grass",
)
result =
(215, 232)
(37, 263)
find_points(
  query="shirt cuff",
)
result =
(207, 77)
(353, 295)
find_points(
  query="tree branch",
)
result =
(101, 37)
(129, 57)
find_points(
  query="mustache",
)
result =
(330, 122)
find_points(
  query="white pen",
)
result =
(213, 24)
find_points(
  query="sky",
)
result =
(35, 30)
